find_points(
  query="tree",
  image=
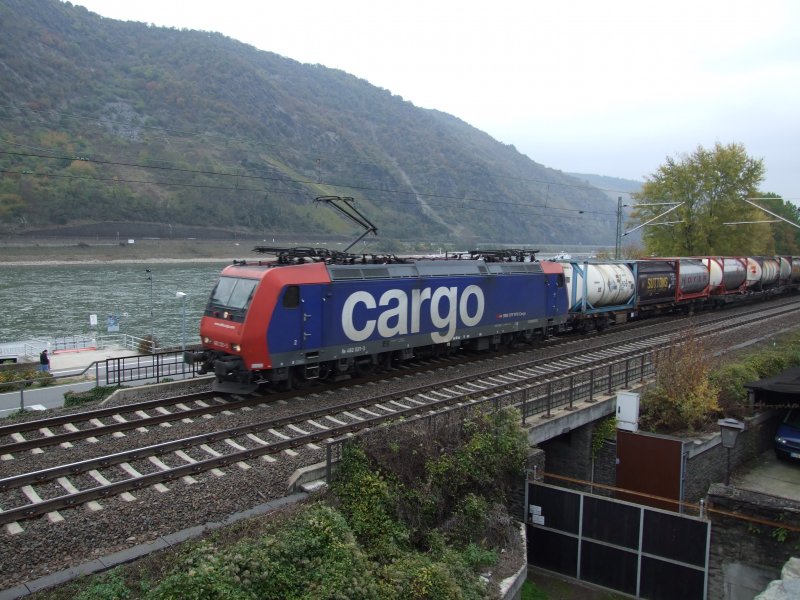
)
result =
(12, 206)
(710, 186)
(786, 237)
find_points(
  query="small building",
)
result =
(781, 390)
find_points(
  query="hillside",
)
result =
(108, 125)
(614, 187)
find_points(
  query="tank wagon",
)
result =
(290, 321)
(601, 293)
(315, 321)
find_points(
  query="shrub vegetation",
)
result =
(691, 391)
(97, 393)
(364, 539)
(10, 379)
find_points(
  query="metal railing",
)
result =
(142, 367)
(539, 398)
(147, 368)
(566, 390)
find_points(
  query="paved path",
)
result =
(768, 475)
(62, 365)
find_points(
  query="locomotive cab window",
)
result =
(291, 298)
(560, 280)
(233, 292)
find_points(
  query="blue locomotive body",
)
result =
(336, 319)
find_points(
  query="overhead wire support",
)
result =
(751, 222)
(666, 212)
(769, 213)
(346, 206)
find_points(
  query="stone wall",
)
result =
(748, 549)
(706, 459)
(570, 454)
(517, 507)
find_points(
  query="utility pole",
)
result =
(152, 323)
(618, 248)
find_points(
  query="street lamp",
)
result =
(152, 323)
(182, 297)
(729, 430)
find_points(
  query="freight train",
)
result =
(311, 315)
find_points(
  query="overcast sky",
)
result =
(611, 88)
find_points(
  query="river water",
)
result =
(55, 301)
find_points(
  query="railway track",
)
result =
(82, 483)
(37, 546)
(64, 430)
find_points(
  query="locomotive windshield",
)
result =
(233, 292)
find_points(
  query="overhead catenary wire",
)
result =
(239, 175)
(318, 155)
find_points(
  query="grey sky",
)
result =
(611, 88)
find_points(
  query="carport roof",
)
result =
(786, 382)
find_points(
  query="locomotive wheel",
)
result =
(286, 384)
(363, 369)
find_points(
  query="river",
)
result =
(56, 301)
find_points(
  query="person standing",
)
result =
(44, 361)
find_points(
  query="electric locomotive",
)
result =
(288, 322)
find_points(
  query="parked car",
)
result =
(787, 439)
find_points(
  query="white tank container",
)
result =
(603, 284)
(785, 268)
(694, 276)
(770, 269)
(753, 272)
(730, 273)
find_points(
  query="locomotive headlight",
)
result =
(236, 348)
(780, 440)
(206, 340)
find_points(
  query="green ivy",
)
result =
(604, 430)
(97, 393)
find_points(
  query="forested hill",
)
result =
(111, 121)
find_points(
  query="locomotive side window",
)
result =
(233, 292)
(291, 299)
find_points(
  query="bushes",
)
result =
(97, 393)
(366, 500)
(314, 555)
(729, 380)
(10, 379)
(683, 395)
(439, 494)
(688, 393)
(354, 543)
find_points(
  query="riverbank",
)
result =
(71, 251)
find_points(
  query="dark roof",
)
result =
(786, 382)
